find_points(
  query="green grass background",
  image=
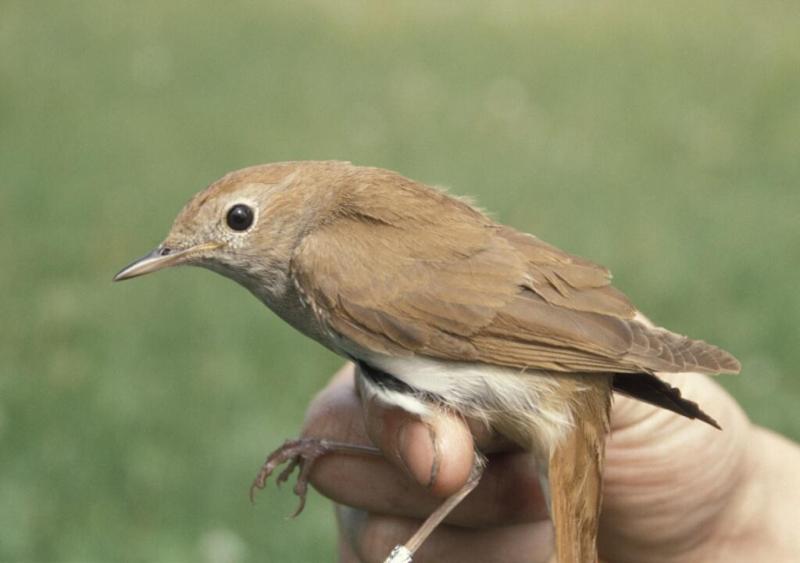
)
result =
(660, 140)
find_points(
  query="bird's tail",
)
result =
(575, 479)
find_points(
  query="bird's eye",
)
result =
(240, 217)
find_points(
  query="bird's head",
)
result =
(246, 224)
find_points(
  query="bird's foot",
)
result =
(301, 453)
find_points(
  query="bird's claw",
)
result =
(302, 453)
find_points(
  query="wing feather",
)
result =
(451, 284)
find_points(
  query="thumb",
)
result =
(436, 451)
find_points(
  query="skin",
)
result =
(675, 489)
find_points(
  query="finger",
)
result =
(638, 426)
(437, 453)
(373, 536)
(508, 493)
(345, 545)
(666, 476)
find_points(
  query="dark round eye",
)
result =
(240, 217)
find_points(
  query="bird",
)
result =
(441, 308)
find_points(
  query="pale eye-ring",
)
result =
(240, 217)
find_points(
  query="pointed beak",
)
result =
(162, 257)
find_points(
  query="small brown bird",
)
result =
(441, 308)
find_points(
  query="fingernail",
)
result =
(418, 451)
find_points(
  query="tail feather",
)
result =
(575, 479)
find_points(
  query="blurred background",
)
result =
(659, 140)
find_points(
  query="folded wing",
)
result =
(453, 285)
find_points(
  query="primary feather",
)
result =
(472, 290)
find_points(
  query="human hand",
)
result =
(675, 489)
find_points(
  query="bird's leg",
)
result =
(403, 553)
(302, 453)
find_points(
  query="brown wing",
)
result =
(453, 285)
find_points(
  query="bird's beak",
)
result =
(162, 257)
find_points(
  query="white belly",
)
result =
(524, 406)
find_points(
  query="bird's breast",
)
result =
(275, 289)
